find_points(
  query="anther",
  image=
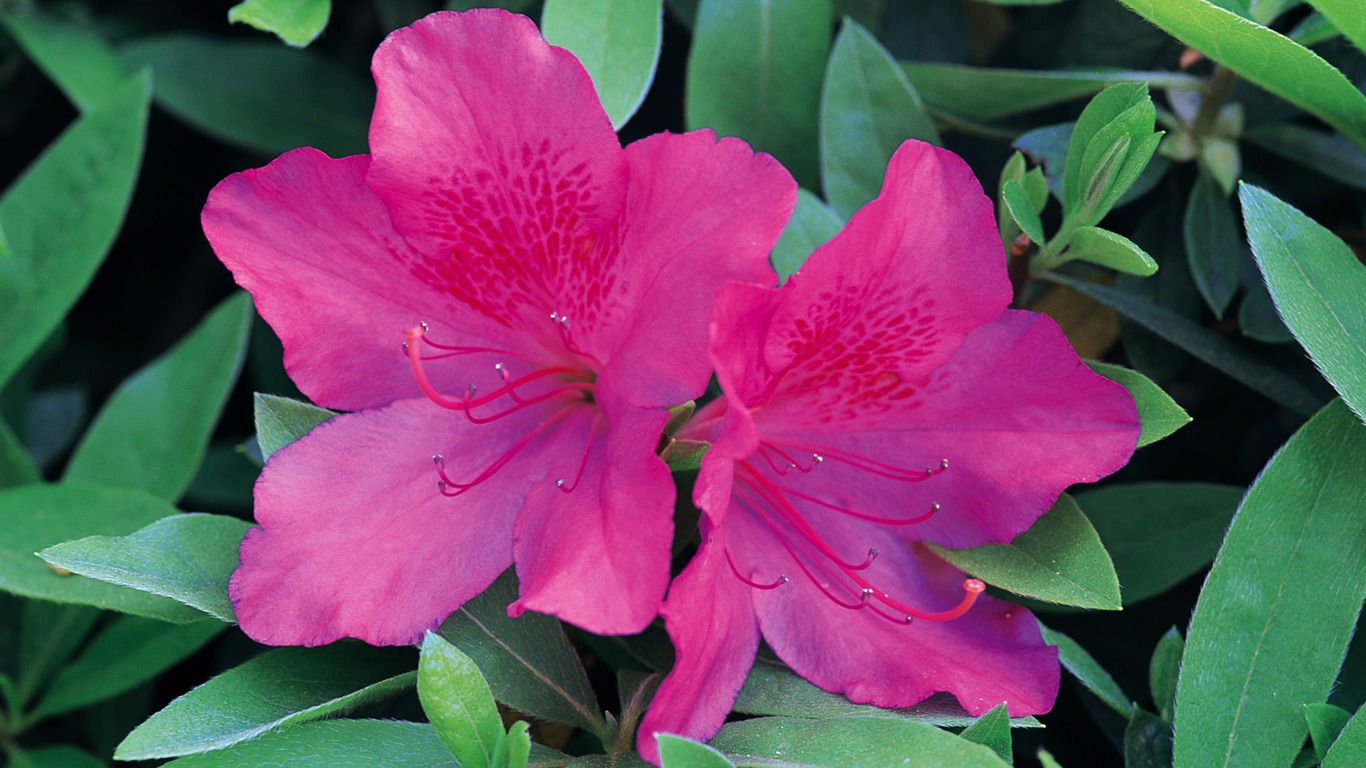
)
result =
(424, 327)
(867, 594)
(816, 458)
(438, 460)
(559, 483)
(943, 464)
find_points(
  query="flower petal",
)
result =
(316, 250)
(710, 619)
(357, 541)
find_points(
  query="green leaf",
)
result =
(617, 41)
(297, 22)
(1318, 285)
(1108, 249)
(257, 94)
(1257, 374)
(1159, 533)
(1273, 620)
(1158, 415)
(282, 420)
(1265, 57)
(867, 110)
(458, 703)
(1147, 741)
(992, 729)
(130, 651)
(811, 225)
(1060, 559)
(518, 744)
(848, 743)
(1046, 760)
(335, 744)
(37, 516)
(61, 217)
(1214, 245)
(1328, 153)
(16, 465)
(528, 661)
(1347, 17)
(187, 558)
(1349, 751)
(1257, 315)
(1163, 671)
(76, 58)
(1118, 116)
(1022, 211)
(154, 430)
(278, 688)
(49, 634)
(1325, 723)
(755, 71)
(678, 752)
(61, 756)
(1090, 674)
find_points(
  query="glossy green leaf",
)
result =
(257, 94)
(1163, 670)
(678, 752)
(1257, 374)
(867, 110)
(1214, 245)
(154, 430)
(61, 216)
(1349, 751)
(187, 558)
(1325, 723)
(1328, 153)
(1318, 286)
(1088, 672)
(335, 744)
(128, 652)
(1110, 146)
(1158, 415)
(1022, 211)
(617, 41)
(282, 687)
(1347, 17)
(1265, 57)
(282, 420)
(848, 743)
(1108, 249)
(992, 729)
(755, 71)
(297, 22)
(1060, 559)
(37, 516)
(76, 58)
(1147, 741)
(811, 225)
(458, 703)
(528, 662)
(1277, 610)
(1159, 533)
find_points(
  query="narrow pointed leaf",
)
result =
(1347, 17)
(16, 465)
(297, 22)
(1330, 154)
(1158, 414)
(1214, 245)
(1022, 210)
(458, 703)
(617, 41)
(993, 730)
(1163, 671)
(1325, 723)
(335, 744)
(1349, 750)
(849, 743)
(678, 752)
(77, 59)
(282, 420)
(1088, 672)
(1108, 249)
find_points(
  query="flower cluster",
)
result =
(506, 303)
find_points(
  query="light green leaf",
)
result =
(1108, 249)
(61, 217)
(458, 703)
(849, 743)
(1108, 148)
(1214, 245)
(617, 41)
(282, 687)
(61, 756)
(335, 744)
(1325, 723)
(992, 729)
(1022, 211)
(811, 225)
(518, 744)
(1277, 610)
(1163, 670)
(282, 420)
(297, 22)
(1347, 17)
(1265, 57)
(1349, 751)
(867, 110)
(678, 752)
(37, 516)
(1088, 672)
(76, 58)
(1318, 286)
(1060, 559)
(755, 71)
(154, 430)
(1158, 415)
(187, 558)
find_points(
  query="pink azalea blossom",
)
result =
(883, 398)
(507, 302)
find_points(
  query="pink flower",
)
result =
(508, 302)
(884, 397)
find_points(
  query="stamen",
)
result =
(451, 488)
(781, 580)
(934, 509)
(583, 463)
(561, 322)
(881, 469)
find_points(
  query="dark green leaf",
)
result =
(458, 703)
(993, 730)
(187, 558)
(1328, 153)
(49, 634)
(1060, 559)
(76, 58)
(1318, 286)
(1090, 674)
(617, 41)
(1158, 415)
(257, 94)
(1273, 620)
(154, 430)
(1159, 533)
(867, 110)
(1257, 315)
(1213, 244)
(1147, 741)
(61, 216)
(678, 752)
(527, 661)
(755, 71)
(62, 756)
(1163, 671)
(297, 22)
(786, 742)
(282, 687)
(1325, 723)
(1349, 751)
(1022, 211)
(335, 744)
(16, 465)
(1108, 249)
(282, 420)
(811, 225)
